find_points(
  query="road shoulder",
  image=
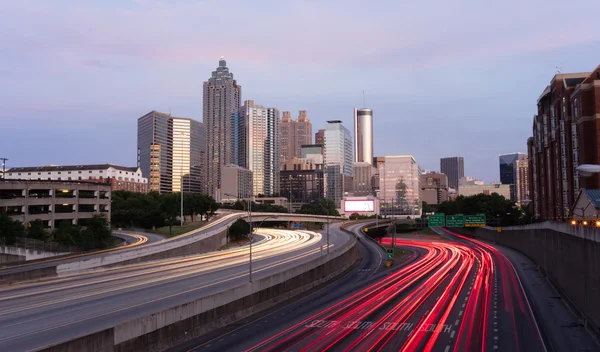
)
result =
(560, 325)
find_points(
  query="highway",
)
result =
(134, 238)
(452, 294)
(33, 316)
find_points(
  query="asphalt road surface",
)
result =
(34, 316)
(455, 294)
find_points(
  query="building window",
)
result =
(69, 179)
(59, 172)
(90, 171)
(79, 171)
(79, 177)
(69, 172)
(59, 178)
(39, 173)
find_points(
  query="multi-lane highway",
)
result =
(453, 294)
(33, 316)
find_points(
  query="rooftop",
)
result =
(71, 167)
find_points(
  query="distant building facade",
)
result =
(362, 177)
(222, 98)
(363, 135)
(471, 190)
(507, 169)
(261, 147)
(400, 187)
(294, 134)
(454, 168)
(120, 178)
(469, 181)
(320, 137)
(566, 132)
(521, 180)
(53, 202)
(434, 187)
(302, 181)
(338, 161)
(236, 183)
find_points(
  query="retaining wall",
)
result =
(29, 253)
(183, 323)
(571, 261)
(11, 258)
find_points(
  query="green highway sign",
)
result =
(475, 220)
(437, 220)
(390, 254)
(457, 220)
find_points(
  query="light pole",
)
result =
(252, 238)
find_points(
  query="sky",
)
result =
(444, 78)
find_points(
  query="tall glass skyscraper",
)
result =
(172, 153)
(454, 168)
(259, 146)
(222, 96)
(338, 160)
(507, 169)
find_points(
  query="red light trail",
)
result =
(461, 295)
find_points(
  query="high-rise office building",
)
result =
(400, 187)
(236, 182)
(286, 137)
(362, 179)
(302, 180)
(293, 134)
(521, 180)
(189, 156)
(154, 150)
(172, 152)
(507, 170)
(363, 135)
(338, 160)
(320, 137)
(454, 168)
(261, 146)
(302, 131)
(221, 96)
(565, 135)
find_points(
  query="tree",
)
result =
(499, 211)
(239, 229)
(10, 229)
(321, 207)
(67, 233)
(170, 207)
(96, 234)
(37, 231)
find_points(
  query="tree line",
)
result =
(153, 210)
(96, 233)
(498, 210)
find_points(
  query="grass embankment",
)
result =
(178, 230)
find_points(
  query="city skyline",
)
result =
(65, 80)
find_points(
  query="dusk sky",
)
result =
(444, 78)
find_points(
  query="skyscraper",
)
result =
(302, 132)
(261, 146)
(454, 168)
(222, 96)
(172, 150)
(338, 160)
(363, 135)
(507, 170)
(293, 135)
(521, 180)
(154, 150)
(320, 137)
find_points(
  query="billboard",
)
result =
(359, 206)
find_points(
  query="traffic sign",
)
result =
(388, 263)
(475, 220)
(437, 220)
(457, 220)
(298, 226)
(390, 254)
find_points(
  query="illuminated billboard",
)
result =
(359, 206)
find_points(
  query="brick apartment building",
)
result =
(566, 134)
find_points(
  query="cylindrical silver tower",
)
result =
(363, 135)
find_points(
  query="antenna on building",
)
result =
(363, 98)
(169, 111)
(558, 69)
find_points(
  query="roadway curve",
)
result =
(460, 295)
(33, 316)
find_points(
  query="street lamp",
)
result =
(251, 235)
